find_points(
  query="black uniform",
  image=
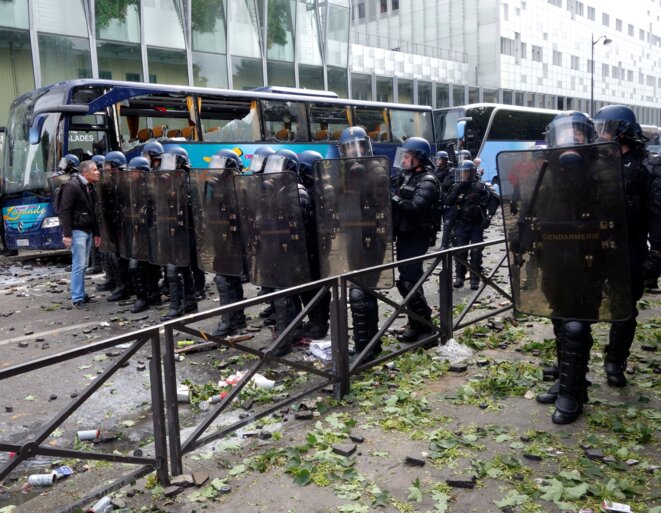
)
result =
(414, 207)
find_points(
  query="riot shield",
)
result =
(125, 221)
(169, 228)
(565, 228)
(108, 209)
(136, 216)
(354, 217)
(273, 230)
(216, 220)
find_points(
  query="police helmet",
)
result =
(153, 149)
(69, 163)
(465, 172)
(115, 160)
(282, 160)
(618, 123)
(441, 155)
(259, 158)
(139, 164)
(570, 129)
(98, 160)
(354, 142)
(416, 147)
(227, 159)
(463, 156)
(306, 162)
(181, 155)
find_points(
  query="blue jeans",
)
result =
(81, 245)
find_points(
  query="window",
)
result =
(384, 90)
(590, 66)
(373, 120)
(651, 81)
(574, 62)
(330, 118)
(618, 25)
(408, 123)
(424, 93)
(579, 8)
(384, 6)
(508, 125)
(604, 70)
(536, 53)
(524, 54)
(229, 120)
(63, 58)
(557, 58)
(591, 13)
(557, 3)
(641, 35)
(506, 46)
(506, 12)
(361, 86)
(284, 121)
(404, 91)
(605, 19)
(615, 72)
(442, 95)
(361, 10)
(395, 5)
(629, 75)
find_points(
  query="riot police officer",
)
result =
(144, 276)
(230, 288)
(474, 205)
(180, 277)
(642, 188)
(110, 203)
(317, 326)
(288, 307)
(414, 203)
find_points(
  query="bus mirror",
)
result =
(35, 129)
(461, 128)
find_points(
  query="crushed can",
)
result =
(88, 434)
(103, 505)
(42, 479)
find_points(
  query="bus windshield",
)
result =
(25, 164)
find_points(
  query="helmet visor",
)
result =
(168, 162)
(464, 174)
(257, 163)
(275, 164)
(63, 164)
(403, 159)
(568, 132)
(606, 129)
(355, 148)
(218, 162)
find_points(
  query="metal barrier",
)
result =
(35, 446)
(338, 375)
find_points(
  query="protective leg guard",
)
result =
(139, 279)
(224, 327)
(286, 309)
(176, 294)
(418, 304)
(575, 354)
(365, 315)
(620, 339)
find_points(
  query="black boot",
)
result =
(475, 281)
(365, 315)
(176, 293)
(109, 282)
(418, 305)
(574, 357)
(286, 309)
(317, 327)
(550, 396)
(190, 301)
(139, 280)
(124, 289)
(620, 339)
(224, 328)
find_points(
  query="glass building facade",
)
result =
(235, 44)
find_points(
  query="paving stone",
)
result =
(171, 491)
(199, 478)
(357, 439)
(344, 449)
(594, 454)
(461, 482)
(414, 462)
(304, 415)
(532, 457)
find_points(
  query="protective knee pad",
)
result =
(576, 336)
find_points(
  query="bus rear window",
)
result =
(409, 123)
(510, 125)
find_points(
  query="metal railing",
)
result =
(35, 447)
(165, 406)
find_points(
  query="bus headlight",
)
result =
(50, 222)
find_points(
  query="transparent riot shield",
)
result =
(170, 224)
(125, 221)
(273, 230)
(108, 209)
(565, 228)
(137, 216)
(354, 217)
(216, 220)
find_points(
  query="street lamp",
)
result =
(594, 42)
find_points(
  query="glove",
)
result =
(514, 208)
(396, 200)
(486, 222)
